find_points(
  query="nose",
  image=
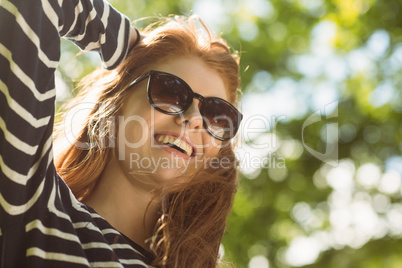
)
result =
(192, 116)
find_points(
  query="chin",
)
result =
(172, 175)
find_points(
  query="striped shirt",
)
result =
(41, 222)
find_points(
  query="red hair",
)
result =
(194, 214)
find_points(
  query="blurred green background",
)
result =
(320, 149)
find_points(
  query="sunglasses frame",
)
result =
(192, 96)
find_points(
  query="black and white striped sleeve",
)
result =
(110, 37)
(30, 34)
(41, 222)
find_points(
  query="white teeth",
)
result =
(179, 143)
(189, 149)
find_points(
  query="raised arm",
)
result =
(29, 53)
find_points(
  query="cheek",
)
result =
(213, 146)
(135, 131)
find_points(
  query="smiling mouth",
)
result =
(176, 143)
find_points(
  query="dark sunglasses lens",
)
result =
(221, 118)
(169, 93)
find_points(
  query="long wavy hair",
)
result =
(193, 214)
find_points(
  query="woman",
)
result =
(167, 100)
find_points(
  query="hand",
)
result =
(133, 37)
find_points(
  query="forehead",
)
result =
(196, 73)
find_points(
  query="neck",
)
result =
(127, 206)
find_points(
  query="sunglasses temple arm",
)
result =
(139, 79)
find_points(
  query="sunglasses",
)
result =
(169, 94)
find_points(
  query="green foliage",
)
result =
(331, 206)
